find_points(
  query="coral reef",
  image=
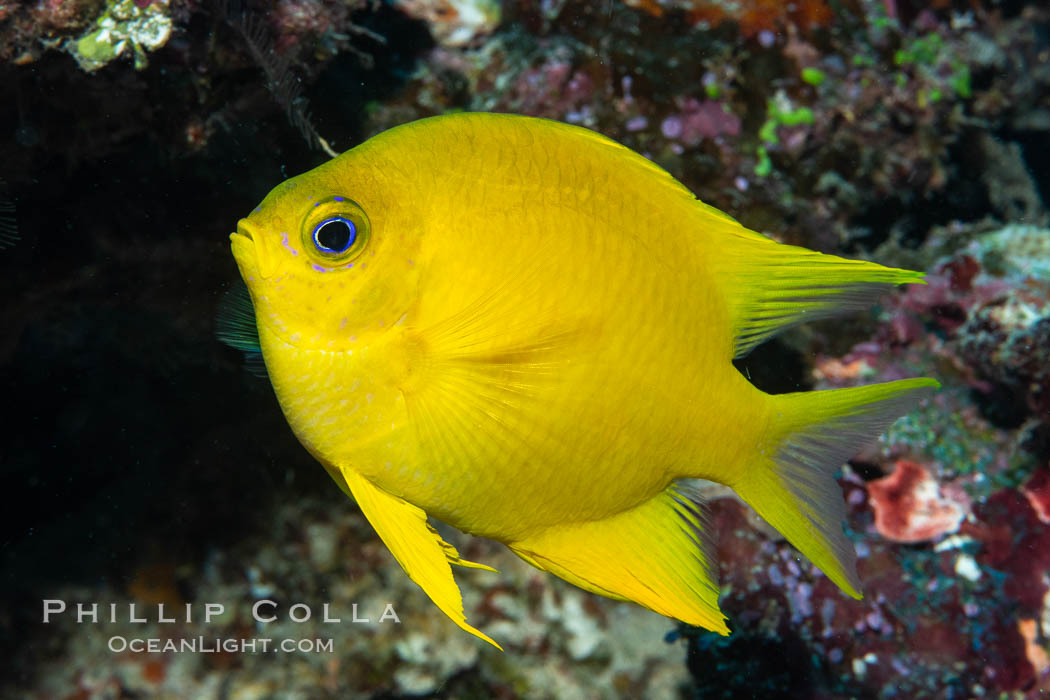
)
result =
(124, 27)
(909, 507)
(149, 468)
(455, 22)
(754, 17)
(359, 628)
(1037, 491)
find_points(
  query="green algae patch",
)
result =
(123, 27)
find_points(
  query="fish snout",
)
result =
(247, 229)
(249, 238)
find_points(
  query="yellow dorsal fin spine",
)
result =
(791, 482)
(772, 286)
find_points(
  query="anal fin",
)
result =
(452, 554)
(655, 554)
(417, 547)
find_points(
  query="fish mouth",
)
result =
(244, 228)
(251, 249)
(244, 246)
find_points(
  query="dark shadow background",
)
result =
(130, 436)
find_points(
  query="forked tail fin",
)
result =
(792, 484)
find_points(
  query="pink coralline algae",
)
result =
(1035, 653)
(295, 19)
(62, 14)
(700, 120)
(455, 22)
(952, 291)
(1014, 542)
(910, 506)
(553, 89)
(1037, 491)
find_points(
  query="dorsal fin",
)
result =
(771, 286)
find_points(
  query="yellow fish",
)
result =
(525, 330)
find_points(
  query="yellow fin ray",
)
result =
(479, 371)
(459, 416)
(792, 484)
(656, 554)
(478, 397)
(775, 286)
(417, 547)
(452, 554)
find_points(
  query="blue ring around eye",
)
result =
(335, 242)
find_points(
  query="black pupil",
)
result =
(335, 235)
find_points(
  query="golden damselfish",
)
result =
(525, 330)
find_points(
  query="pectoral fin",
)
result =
(417, 547)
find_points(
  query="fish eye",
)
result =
(335, 235)
(334, 231)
